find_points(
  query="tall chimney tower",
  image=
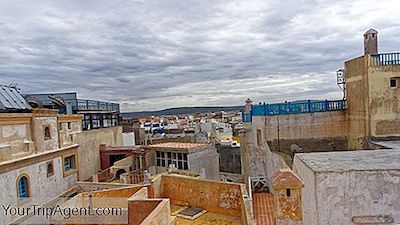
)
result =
(371, 42)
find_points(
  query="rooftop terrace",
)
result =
(387, 159)
(294, 108)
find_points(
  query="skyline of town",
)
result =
(202, 53)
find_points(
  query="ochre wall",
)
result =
(384, 102)
(357, 100)
(139, 210)
(218, 197)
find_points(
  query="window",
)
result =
(47, 134)
(96, 121)
(259, 136)
(50, 169)
(69, 125)
(23, 188)
(60, 126)
(69, 163)
(180, 160)
(393, 83)
(107, 121)
(288, 193)
(86, 122)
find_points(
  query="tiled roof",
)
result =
(264, 208)
(177, 145)
(285, 178)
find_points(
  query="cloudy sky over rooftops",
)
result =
(150, 55)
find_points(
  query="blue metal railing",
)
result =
(385, 59)
(293, 108)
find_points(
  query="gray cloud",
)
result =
(157, 54)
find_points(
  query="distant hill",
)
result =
(183, 110)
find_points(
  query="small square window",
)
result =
(393, 83)
(69, 163)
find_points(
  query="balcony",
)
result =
(385, 59)
(293, 108)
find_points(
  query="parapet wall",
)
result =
(308, 132)
(89, 153)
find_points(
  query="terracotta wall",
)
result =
(218, 197)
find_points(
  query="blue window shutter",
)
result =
(23, 188)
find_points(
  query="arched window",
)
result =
(23, 188)
(50, 169)
(47, 134)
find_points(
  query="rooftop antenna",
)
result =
(341, 81)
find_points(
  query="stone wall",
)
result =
(89, 153)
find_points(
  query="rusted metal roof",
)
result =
(11, 99)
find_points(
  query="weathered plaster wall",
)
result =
(15, 141)
(213, 196)
(41, 187)
(89, 153)
(323, 131)
(384, 102)
(341, 196)
(207, 159)
(229, 159)
(308, 193)
(39, 124)
(334, 198)
(259, 160)
(66, 134)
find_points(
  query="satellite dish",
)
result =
(57, 101)
(34, 102)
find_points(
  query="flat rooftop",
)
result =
(386, 159)
(181, 145)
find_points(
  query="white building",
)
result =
(354, 187)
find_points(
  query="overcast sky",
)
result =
(150, 55)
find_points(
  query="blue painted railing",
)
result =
(385, 59)
(293, 108)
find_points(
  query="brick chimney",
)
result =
(371, 42)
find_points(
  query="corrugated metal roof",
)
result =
(11, 99)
